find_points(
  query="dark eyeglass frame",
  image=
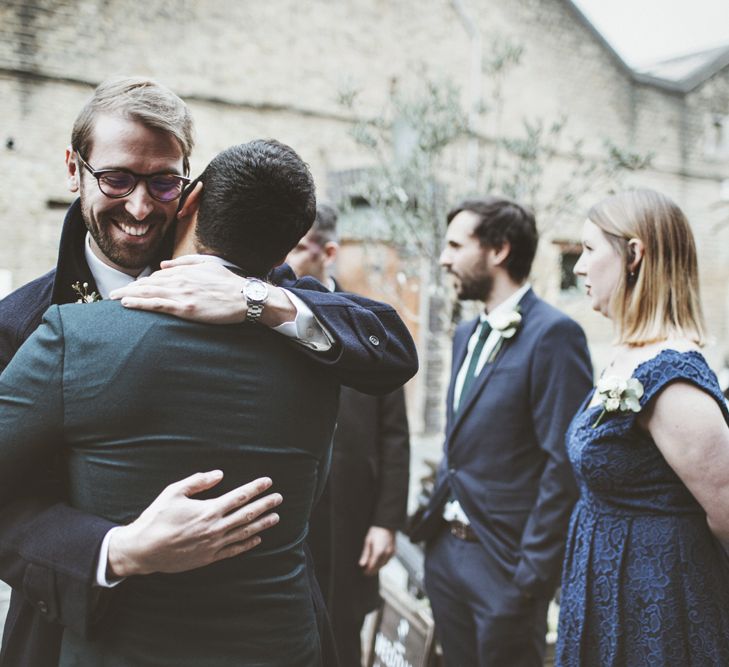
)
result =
(98, 174)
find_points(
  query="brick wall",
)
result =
(275, 68)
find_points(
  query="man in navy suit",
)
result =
(129, 162)
(497, 520)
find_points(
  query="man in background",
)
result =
(497, 520)
(352, 529)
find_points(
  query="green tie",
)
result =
(473, 363)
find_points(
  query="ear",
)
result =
(191, 202)
(501, 254)
(330, 251)
(72, 176)
(636, 250)
(187, 222)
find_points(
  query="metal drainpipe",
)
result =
(474, 90)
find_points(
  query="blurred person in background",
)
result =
(352, 530)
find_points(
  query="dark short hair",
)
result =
(258, 200)
(324, 229)
(502, 220)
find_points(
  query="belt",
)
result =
(462, 531)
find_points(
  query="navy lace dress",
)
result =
(644, 580)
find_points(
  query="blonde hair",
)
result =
(661, 298)
(139, 99)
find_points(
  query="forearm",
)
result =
(279, 308)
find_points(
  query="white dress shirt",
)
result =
(453, 510)
(304, 329)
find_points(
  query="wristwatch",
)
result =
(256, 293)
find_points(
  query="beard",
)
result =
(474, 288)
(134, 254)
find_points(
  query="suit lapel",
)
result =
(478, 386)
(525, 305)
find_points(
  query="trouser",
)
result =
(481, 617)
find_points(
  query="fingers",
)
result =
(150, 290)
(183, 261)
(249, 512)
(200, 481)
(243, 494)
(242, 533)
(158, 305)
(364, 558)
(240, 540)
(382, 558)
(142, 289)
(238, 548)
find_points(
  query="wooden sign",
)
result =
(403, 632)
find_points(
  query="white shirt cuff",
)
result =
(101, 568)
(305, 328)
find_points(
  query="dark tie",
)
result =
(473, 363)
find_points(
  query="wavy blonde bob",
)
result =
(660, 299)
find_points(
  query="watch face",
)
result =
(256, 290)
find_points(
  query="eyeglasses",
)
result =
(118, 183)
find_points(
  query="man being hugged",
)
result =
(137, 400)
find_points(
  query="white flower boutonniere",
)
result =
(618, 395)
(83, 292)
(506, 324)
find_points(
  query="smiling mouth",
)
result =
(133, 230)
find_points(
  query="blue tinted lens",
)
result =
(165, 188)
(116, 182)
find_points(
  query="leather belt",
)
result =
(462, 531)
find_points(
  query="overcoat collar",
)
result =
(72, 266)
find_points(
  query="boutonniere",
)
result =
(83, 291)
(618, 395)
(506, 324)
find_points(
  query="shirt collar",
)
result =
(106, 277)
(508, 304)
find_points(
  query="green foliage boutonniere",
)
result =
(83, 293)
(618, 395)
(506, 324)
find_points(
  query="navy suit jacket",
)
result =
(504, 456)
(48, 550)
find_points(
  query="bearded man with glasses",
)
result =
(61, 562)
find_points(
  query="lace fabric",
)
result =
(644, 580)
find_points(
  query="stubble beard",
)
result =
(475, 289)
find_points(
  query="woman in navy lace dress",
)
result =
(646, 580)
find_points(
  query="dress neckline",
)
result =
(668, 351)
